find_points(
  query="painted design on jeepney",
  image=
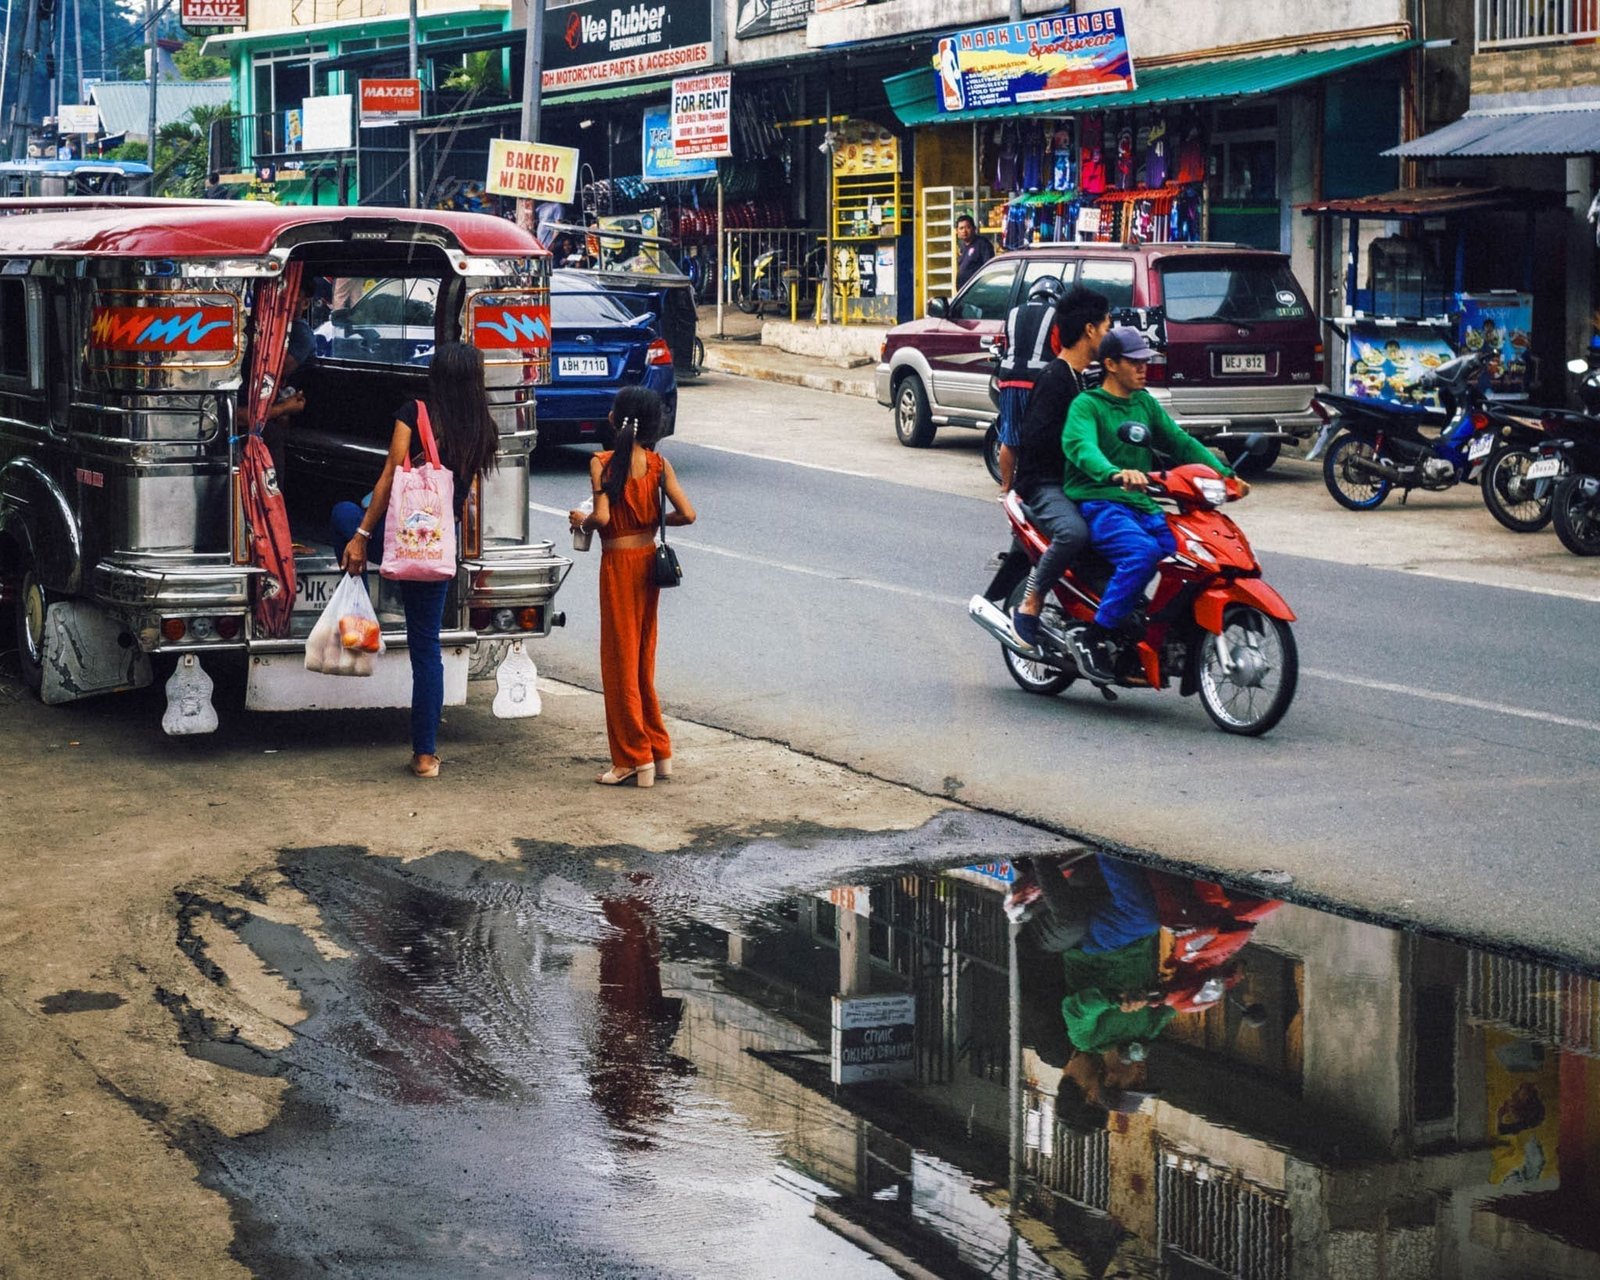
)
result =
(505, 326)
(162, 328)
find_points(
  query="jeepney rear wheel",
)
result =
(32, 602)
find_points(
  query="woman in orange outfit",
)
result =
(628, 482)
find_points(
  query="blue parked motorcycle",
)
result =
(1376, 446)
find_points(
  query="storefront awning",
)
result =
(478, 115)
(913, 94)
(1568, 130)
(1437, 202)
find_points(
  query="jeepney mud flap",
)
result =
(279, 681)
(86, 651)
(189, 709)
(518, 684)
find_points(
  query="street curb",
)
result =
(729, 362)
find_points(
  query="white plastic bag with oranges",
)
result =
(347, 636)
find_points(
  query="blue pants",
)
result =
(1008, 426)
(424, 605)
(1135, 542)
(1131, 913)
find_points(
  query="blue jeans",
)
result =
(1135, 542)
(424, 605)
(1131, 913)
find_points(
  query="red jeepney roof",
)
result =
(220, 229)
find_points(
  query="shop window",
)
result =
(282, 84)
(1433, 1074)
(988, 295)
(15, 349)
(1114, 279)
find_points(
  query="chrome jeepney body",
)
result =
(125, 353)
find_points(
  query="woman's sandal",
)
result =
(425, 770)
(643, 775)
(664, 769)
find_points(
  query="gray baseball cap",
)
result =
(1126, 343)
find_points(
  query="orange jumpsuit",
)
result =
(628, 600)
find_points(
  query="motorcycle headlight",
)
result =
(1212, 490)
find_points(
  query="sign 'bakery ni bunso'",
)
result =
(599, 41)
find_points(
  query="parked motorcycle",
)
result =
(1518, 502)
(769, 281)
(1212, 623)
(1569, 460)
(1383, 446)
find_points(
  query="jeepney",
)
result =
(141, 344)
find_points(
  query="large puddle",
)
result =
(580, 1068)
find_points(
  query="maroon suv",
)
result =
(1241, 348)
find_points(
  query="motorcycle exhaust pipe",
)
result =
(998, 625)
(1383, 470)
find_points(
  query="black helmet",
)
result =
(1047, 289)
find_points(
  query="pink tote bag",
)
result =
(419, 537)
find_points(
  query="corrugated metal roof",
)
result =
(1516, 131)
(125, 104)
(913, 96)
(1437, 202)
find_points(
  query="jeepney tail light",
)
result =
(173, 629)
(1320, 357)
(227, 627)
(530, 619)
(481, 619)
(659, 353)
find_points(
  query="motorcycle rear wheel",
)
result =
(991, 453)
(1351, 488)
(1504, 478)
(1252, 705)
(1577, 519)
(1037, 677)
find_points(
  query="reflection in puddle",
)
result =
(590, 1079)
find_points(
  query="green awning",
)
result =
(481, 115)
(913, 93)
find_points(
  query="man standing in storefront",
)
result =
(972, 250)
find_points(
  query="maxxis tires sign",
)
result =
(602, 41)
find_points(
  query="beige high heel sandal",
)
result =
(643, 775)
(664, 768)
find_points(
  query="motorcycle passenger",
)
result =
(1081, 321)
(1030, 343)
(1106, 476)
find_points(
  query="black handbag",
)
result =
(665, 571)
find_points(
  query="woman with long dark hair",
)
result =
(467, 439)
(628, 482)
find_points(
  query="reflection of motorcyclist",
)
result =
(1113, 976)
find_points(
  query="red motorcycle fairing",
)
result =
(1212, 603)
(1213, 531)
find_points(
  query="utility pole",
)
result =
(411, 133)
(77, 36)
(5, 57)
(532, 91)
(22, 108)
(60, 42)
(154, 54)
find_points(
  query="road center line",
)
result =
(1360, 682)
(1454, 700)
(788, 462)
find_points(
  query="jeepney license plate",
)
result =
(312, 591)
(1244, 364)
(583, 367)
(1544, 469)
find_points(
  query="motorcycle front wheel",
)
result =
(1511, 497)
(1351, 488)
(1037, 677)
(1577, 517)
(1251, 694)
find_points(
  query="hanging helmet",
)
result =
(1047, 289)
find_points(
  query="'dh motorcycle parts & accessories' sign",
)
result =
(600, 41)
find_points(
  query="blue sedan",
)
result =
(603, 339)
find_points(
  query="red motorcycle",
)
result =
(1212, 623)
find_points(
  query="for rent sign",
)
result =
(532, 171)
(874, 1038)
(385, 101)
(598, 41)
(702, 116)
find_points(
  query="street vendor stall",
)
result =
(1412, 308)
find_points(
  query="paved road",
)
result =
(1437, 765)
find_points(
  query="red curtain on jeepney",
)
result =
(266, 518)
